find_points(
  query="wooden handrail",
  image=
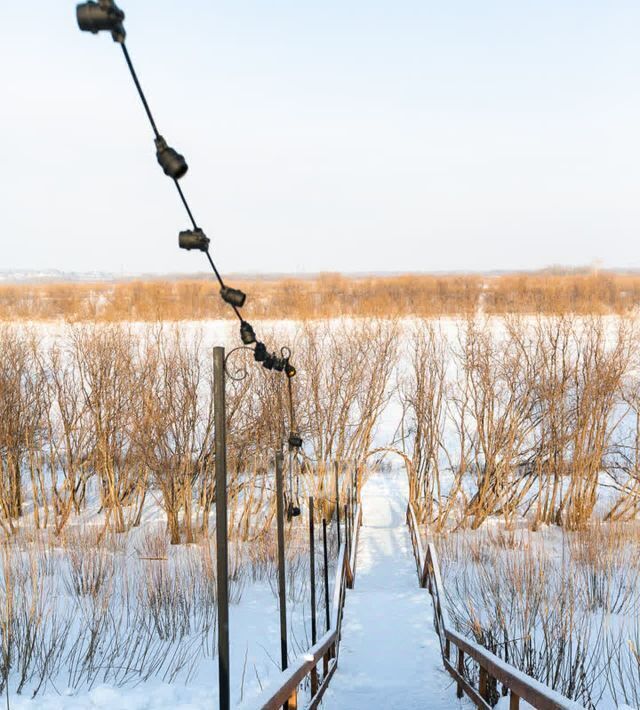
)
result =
(520, 685)
(326, 649)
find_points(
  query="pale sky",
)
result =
(338, 135)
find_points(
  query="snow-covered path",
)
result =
(389, 654)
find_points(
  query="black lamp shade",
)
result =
(101, 16)
(193, 239)
(233, 296)
(260, 352)
(172, 163)
(247, 334)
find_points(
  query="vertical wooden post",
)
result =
(351, 515)
(312, 569)
(447, 649)
(460, 671)
(484, 683)
(222, 559)
(357, 482)
(335, 468)
(326, 572)
(514, 701)
(282, 588)
(312, 563)
(347, 538)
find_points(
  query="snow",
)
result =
(389, 654)
(160, 697)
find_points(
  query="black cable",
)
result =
(94, 17)
(140, 92)
(292, 416)
(186, 206)
(183, 199)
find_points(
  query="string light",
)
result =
(106, 16)
(100, 16)
(260, 352)
(247, 334)
(193, 239)
(233, 296)
(173, 164)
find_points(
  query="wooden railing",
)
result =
(325, 652)
(492, 670)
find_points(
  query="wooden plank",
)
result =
(520, 685)
(484, 684)
(467, 688)
(337, 587)
(315, 700)
(527, 688)
(325, 650)
(354, 544)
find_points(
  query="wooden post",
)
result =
(514, 701)
(335, 468)
(326, 572)
(222, 564)
(312, 568)
(312, 563)
(460, 671)
(447, 649)
(347, 532)
(484, 684)
(353, 483)
(282, 587)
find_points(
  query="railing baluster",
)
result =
(460, 671)
(484, 683)
(493, 670)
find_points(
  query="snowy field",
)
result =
(112, 623)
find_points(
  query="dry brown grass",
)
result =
(327, 295)
(546, 605)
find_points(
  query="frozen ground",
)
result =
(389, 655)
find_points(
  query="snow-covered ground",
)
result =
(390, 654)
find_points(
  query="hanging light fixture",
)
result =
(102, 16)
(260, 352)
(293, 511)
(193, 239)
(247, 334)
(172, 163)
(233, 296)
(105, 16)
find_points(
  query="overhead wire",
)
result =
(105, 15)
(183, 199)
